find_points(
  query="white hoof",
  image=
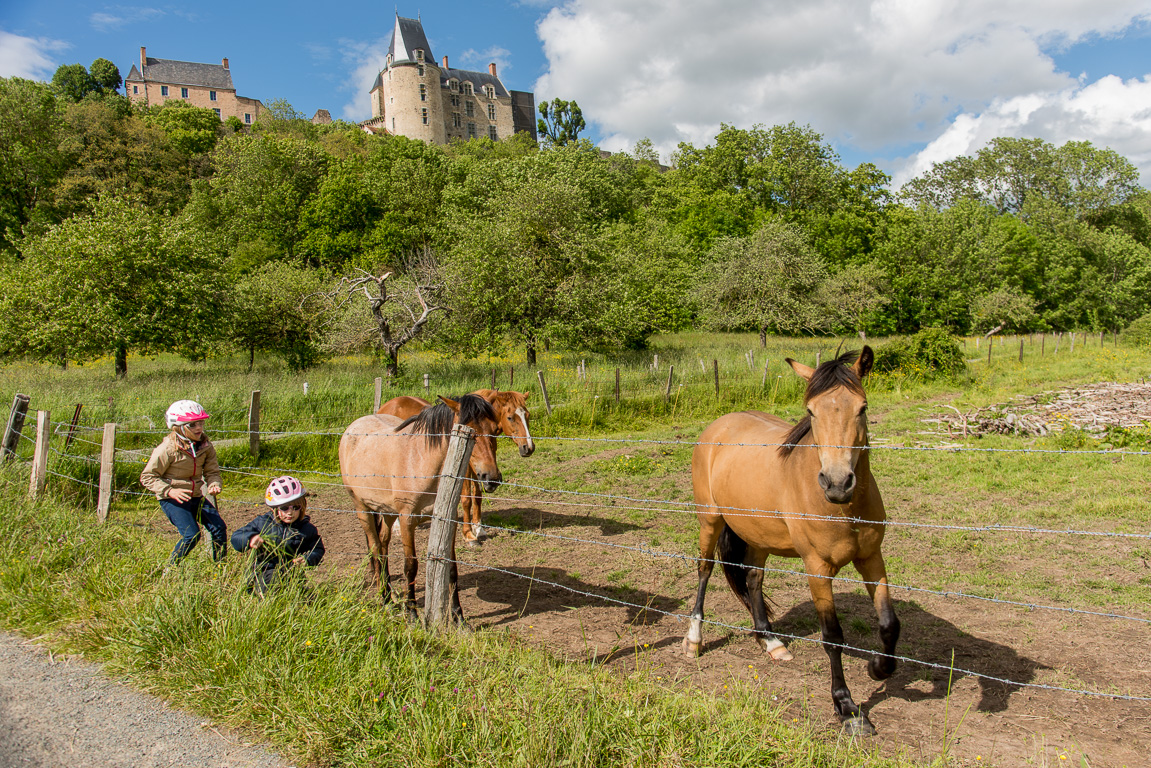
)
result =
(691, 648)
(777, 650)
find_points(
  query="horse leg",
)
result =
(376, 562)
(760, 613)
(457, 612)
(874, 572)
(411, 563)
(820, 574)
(710, 527)
(470, 511)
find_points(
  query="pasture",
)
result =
(1004, 553)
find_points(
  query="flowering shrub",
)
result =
(929, 353)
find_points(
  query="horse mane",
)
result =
(436, 420)
(828, 376)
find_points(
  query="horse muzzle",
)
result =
(490, 481)
(527, 450)
(837, 490)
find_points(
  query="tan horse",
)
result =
(514, 419)
(390, 468)
(766, 487)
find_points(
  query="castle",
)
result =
(201, 85)
(415, 97)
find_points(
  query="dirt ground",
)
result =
(979, 721)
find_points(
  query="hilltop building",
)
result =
(201, 85)
(415, 97)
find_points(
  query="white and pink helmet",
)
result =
(184, 412)
(283, 490)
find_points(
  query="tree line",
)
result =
(125, 228)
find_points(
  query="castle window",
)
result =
(424, 115)
(491, 111)
(217, 111)
(468, 89)
(135, 89)
(183, 93)
(419, 54)
(211, 95)
(455, 119)
(455, 101)
(389, 60)
(454, 85)
(421, 67)
(471, 130)
(492, 132)
(423, 92)
(469, 107)
(163, 90)
(248, 117)
(490, 91)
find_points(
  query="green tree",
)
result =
(73, 82)
(766, 282)
(105, 75)
(853, 299)
(190, 130)
(31, 127)
(560, 121)
(273, 309)
(123, 278)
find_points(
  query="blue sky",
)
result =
(902, 83)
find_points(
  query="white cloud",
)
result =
(28, 57)
(865, 74)
(478, 60)
(114, 17)
(364, 60)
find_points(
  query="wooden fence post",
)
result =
(766, 365)
(511, 376)
(379, 394)
(40, 455)
(441, 588)
(493, 386)
(617, 386)
(254, 424)
(655, 363)
(1021, 349)
(107, 467)
(1073, 342)
(427, 385)
(15, 427)
(72, 426)
(715, 367)
(1042, 344)
(667, 389)
(990, 346)
(544, 390)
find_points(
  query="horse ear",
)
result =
(864, 362)
(806, 372)
(527, 395)
(453, 404)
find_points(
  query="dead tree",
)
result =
(399, 314)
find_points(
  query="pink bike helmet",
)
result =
(184, 412)
(282, 490)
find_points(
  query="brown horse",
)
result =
(766, 487)
(514, 419)
(390, 468)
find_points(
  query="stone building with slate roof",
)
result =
(414, 96)
(156, 81)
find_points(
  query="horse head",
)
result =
(837, 419)
(477, 413)
(514, 418)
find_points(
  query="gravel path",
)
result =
(58, 711)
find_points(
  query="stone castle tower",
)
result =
(414, 96)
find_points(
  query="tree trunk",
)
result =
(251, 357)
(763, 338)
(531, 350)
(121, 361)
(392, 369)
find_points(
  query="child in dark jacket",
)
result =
(281, 538)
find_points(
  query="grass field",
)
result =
(335, 680)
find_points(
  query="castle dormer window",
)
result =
(490, 91)
(468, 89)
(420, 55)
(389, 59)
(454, 84)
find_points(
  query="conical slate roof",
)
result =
(407, 37)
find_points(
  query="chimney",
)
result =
(143, 60)
(492, 69)
(225, 62)
(445, 62)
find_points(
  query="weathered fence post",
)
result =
(990, 346)
(107, 467)
(617, 386)
(15, 427)
(1021, 349)
(511, 376)
(254, 424)
(72, 426)
(40, 455)
(667, 389)
(544, 390)
(379, 394)
(766, 364)
(1073, 342)
(441, 588)
(1042, 344)
(715, 366)
(818, 355)
(427, 385)
(655, 362)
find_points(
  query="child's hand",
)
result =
(213, 489)
(179, 495)
(297, 560)
(255, 541)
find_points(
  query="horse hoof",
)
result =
(777, 650)
(690, 649)
(473, 543)
(879, 669)
(858, 726)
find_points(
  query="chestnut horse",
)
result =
(766, 487)
(391, 467)
(513, 417)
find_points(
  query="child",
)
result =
(182, 471)
(283, 536)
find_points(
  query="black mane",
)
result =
(436, 421)
(828, 376)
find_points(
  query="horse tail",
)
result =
(732, 551)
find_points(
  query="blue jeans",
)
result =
(188, 516)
